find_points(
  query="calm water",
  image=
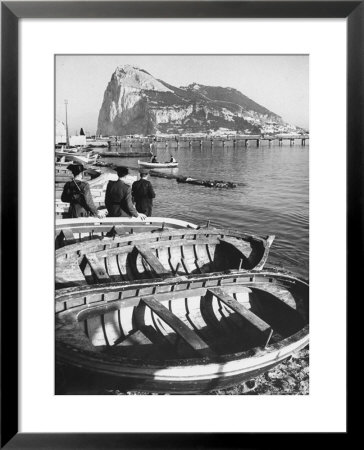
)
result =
(273, 197)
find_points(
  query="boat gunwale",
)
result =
(93, 225)
(253, 352)
(65, 294)
(84, 246)
(93, 221)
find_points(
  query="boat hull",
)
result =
(78, 157)
(150, 165)
(192, 375)
(191, 385)
(160, 254)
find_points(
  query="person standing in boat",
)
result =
(143, 193)
(118, 197)
(153, 159)
(77, 193)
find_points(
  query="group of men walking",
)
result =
(119, 198)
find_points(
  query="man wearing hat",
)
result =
(143, 193)
(118, 197)
(77, 193)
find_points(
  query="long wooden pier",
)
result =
(176, 142)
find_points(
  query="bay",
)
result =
(272, 196)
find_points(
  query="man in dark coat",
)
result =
(143, 193)
(118, 197)
(77, 193)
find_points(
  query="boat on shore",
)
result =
(160, 254)
(70, 231)
(188, 335)
(80, 157)
(150, 165)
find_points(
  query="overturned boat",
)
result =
(163, 254)
(188, 335)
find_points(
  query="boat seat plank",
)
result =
(242, 246)
(189, 336)
(97, 268)
(69, 274)
(153, 261)
(252, 318)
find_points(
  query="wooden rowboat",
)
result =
(70, 231)
(150, 165)
(183, 336)
(163, 254)
(82, 158)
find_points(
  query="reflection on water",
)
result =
(271, 198)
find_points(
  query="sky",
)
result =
(277, 82)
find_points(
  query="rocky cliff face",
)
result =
(137, 103)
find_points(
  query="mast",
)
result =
(67, 136)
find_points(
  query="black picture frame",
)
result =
(11, 12)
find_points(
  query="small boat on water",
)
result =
(150, 165)
(160, 254)
(124, 154)
(70, 231)
(190, 335)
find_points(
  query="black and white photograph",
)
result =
(181, 224)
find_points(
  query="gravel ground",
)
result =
(288, 378)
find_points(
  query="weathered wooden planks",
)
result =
(252, 318)
(97, 269)
(153, 261)
(189, 336)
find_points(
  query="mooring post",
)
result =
(280, 142)
(246, 143)
(258, 142)
(240, 264)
